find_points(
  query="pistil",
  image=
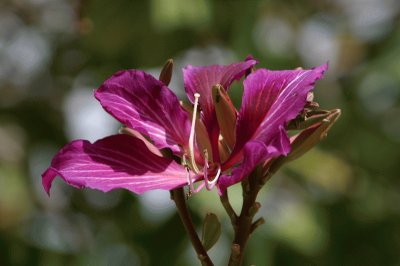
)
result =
(192, 131)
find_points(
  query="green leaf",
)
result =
(211, 231)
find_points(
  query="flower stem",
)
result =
(244, 225)
(228, 208)
(178, 196)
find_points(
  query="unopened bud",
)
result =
(310, 96)
(307, 119)
(166, 72)
(310, 104)
(308, 138)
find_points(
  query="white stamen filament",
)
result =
(191, 137)
(191, 186)
(189, 179)
(205, 169)
(209, 184)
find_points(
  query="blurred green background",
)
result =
(338, 205)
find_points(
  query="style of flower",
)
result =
(171, 145)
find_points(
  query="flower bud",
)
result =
(166, 72)
(308, 119)
(308, 138)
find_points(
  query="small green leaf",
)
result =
(211, 231)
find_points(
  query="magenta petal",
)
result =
(270, 100)
(254, 153)
(118, 161)
(145, 104)
(202, 79)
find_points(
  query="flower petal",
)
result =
(143, 103)
(118, 161)
(202, 79)
(254, 152)
(270, 100)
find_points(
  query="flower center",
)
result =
(209, 181)
(210, 184)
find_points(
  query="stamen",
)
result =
(189, 179)
(217, 175)
(192, 189)
(209, 184)
(205, 169)
(192, 130)
(190, 184)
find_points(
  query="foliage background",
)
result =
(338, 205)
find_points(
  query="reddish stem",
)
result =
(178, 196)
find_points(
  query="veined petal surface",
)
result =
(118, 161)
(143, 103)
(270, 100)
(254, 152)
(202, 79)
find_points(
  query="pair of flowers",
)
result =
(169, 144)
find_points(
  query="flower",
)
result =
(209, 140)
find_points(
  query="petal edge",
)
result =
(117, 161)
(140, 101)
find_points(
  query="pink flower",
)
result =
(210, 140)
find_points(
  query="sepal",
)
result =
(166, 72)
(308, 138)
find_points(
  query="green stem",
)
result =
(228, 208)
(178, 196)
(243, 226)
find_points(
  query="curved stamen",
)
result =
(192, 189)
(209, 184)
(191, 137)
(189, 179)
(205, 169)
